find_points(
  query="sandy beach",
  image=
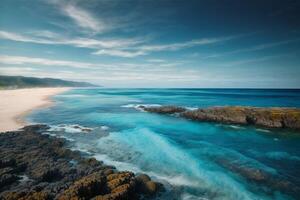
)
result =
(15, 104)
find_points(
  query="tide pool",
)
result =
(194, 160)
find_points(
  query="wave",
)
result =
(137, 106)
(178, 180)
(24, 178)
(191, 108)
(58, 135)
(81, 150)
(192, 197)
(135, 149)
(237, 127)
(104, 128)
(175, 166)
(263, 130)
(70, 128)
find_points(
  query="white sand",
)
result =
(15, 104)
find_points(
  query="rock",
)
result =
(143, 178)
(7, 179)
(151, 188)
(51, 175)
(85, 188)
(264, 117)
(146, 186)
(7, 163)
(36, 196)
(108, 172)
(27, 196)
(117, 179)
(164, 109)
(114, 186)
(54, 172)
(93, 162)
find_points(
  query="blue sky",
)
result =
(152, 43)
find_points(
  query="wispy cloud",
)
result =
(56, 39)
(24, 60)
(120, 53)
(156, 60)
(20, 60)
(255, 48)
(21, 38)
(253, 60)
(187, 44)
(124, 47)
(138, 50)
(83, 18)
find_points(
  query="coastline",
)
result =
(15, 104)
(38, 166)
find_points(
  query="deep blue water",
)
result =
(188, 157)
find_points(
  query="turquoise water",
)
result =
(194, 160)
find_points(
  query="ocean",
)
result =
(194, 160)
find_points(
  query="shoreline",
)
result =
(39, 166)
(16, 104)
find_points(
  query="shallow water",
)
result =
(194, 160)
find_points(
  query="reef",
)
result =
(264, 117)
(36, 166)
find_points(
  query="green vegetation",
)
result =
(29, 82)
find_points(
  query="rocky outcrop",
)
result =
(264, 117)
(163, 109)
(34, 166)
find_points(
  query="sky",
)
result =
(154, 43)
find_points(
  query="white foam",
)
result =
(66, 138)
(174, 180)
(138, 106)
(70, 128)
(81, 150)
(24, 178)
(191, 108)
(191, 197)
(236, 127)
(49, 133)
(104, 128)
(263, 130)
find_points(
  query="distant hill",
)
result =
(29, 82)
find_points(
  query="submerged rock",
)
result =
(265, 117)
(259, 176)
(54, 172)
